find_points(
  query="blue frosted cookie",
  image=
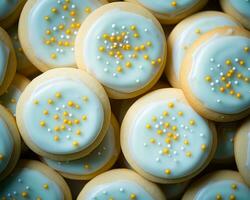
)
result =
(48, 28)
(63, 114)
(99, 160)
(10, 143)
(238, 9)
(124, 47)
(219, 185)
(34, 180)
(171, 11)
(120, 184)
(178, 142)
(215, 77)
(8, 61)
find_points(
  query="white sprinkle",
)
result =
(72, 49)
(221, 73)
(211, 69)
(212, 83)
(175, 152)
(57, 49)
(57, 108)
(62, 36)
(117, 62)
(61, 50)
(161, 122)
(69, 129)
(173, 118)
(121, 190)
(104, 192)
(67, 36)
(73, 6)
(156, 125)
(211, 59)
(182, 125)
(159, 143)
(145, 144)
(236, 82)
(113, 25)
(54, 28)
(49, 130)
(201, 134)
(63, 17)
(140, 67)
(182, 148)
(184, 135)
(14, 192)
(99, 153)
(137, 80)
(157, 159)
(164, 130)
(217, 81)
(160, 152)
(19, 180)
(75, 32)
(27, 187)
(114, 74)
(161, 117)
(169, 145)
(73, 19)
(218, 100)
(98, 57)
(105, 69)
(146, 30)
(130, 56)
(219, 65)
(70, 114)
(236, 59)
(123, 27)
(212, 89)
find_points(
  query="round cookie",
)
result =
(10, 97)
(215, 77)
(219, 185)
(34, 180)
(63, 114)
(177, 141)
(174, 191)
(10, 11)
(7, 61)
(185, 34)
(124, 47)
(10, 143)
(170, 11)
(242, 150)
(238, 9)
(24, 66)
(98, 161)
(225, 148)
(48, 28)
(120, 184)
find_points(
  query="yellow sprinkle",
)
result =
(101, 48)
(54, 10)
(168, 140)
(175, 137)
(76, 121)
(166, 125)
(173, 3)
(223, 78)
(48, 32)
(180, 113)
(222, 89)
(192, 122)
(128, 64)
(58, 95)
(72, 13)
(45, 112)
(246, 79)
(42, 123)
(69, 122)
(159, 132)
(38, 198)
(63, 127)
(75, 143)
(46, 186)
(232, 92)
(146, 57)
(133, 27)
(152, 140)
(132, 196)
(208, 78)
(119, 69)
(165, 151)
(46, 18)
(78, 132)
(153, 62)
(70, 103)
(142, 47)
(149, 43)
(197, 31)
(234, 186)
(136, 35)
(203, 147)
(228, 62)
(24, 194)
(87, 10)
(61, 26)
(159, 60)
(168, 171)
(238, 95)
(232, 197)
(246, 49)
(218, 197)
(242, 62)
(85, 98)
(86, 166)
(170, 105)
(165, 113)
(174, 128)
(186, 142)
(65, 113)
(36, 102)
(148, 126)
(65, 7)
(53, 56)
(50, 101)
(57, 128)
(1, 156)
(84, 117)
(68, 31)
(188, 154)
(134, 55)
(170, 134)
(154, 118)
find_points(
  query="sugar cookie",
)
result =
(174, 191)
(10, 143)
(63, 114)
(170, 11)
(242, 150)
(10, 11)
(225, 147)
(10, 97)
(47, 30)
(124, 47)
(215, 77)
(238, 9)
(219, 185)
(185, 34)
(177, 141)
(7, 61)
(98, 161)
(120, 184)
(24, 66)
(34, 180)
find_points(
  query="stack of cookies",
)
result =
(124, 100)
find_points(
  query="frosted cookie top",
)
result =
(176, 140)
(7, 7)
(52, 26)
(4, 57)
(61, 111)
(190, 30)
(169, 7)
(124, 50)
(219, 75)
(103, 155)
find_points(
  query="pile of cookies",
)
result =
(129, 100)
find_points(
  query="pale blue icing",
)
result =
(223, 188)
(7, 7)
(166, 7)
(105, 67)
(37, 27)
(32, 182)
(6, 145)
(4, 57)
(225, 147)
(242, 6)
(192, 32)
(209, 60)
(118, 190)
(190, 139)
(10, 98)
(92, 162)
(70, 91)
